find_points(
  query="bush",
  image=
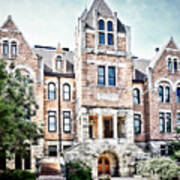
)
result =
(78, 171)
(163, 167)
(17, 175)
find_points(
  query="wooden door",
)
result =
(103, 165)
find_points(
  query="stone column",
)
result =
(100, 127)
(115, 128)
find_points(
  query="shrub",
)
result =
(78, 171)
(17, 175)
(163, 167)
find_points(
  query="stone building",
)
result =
(98, 104)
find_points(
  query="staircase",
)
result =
(50, 170)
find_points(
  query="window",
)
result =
(178, 120)
(137, 124)
(136, 96)
(27, 160)
(52, 150)
(111, 76)
(167, 94)
(178, 95)
(18, 161)
(101, 38)
(161, 94)
(169, 64)
(164, 122)
(110, 26)
(172, 64)
(59, 62)
(110, 39)
(51, 91)
(66, 92)
(52, 121)
(164, 94)
(175, 65)
(5, 48)
(166, 150)
(67, 121)
(101, 25)
(13, 48)
(101, 75)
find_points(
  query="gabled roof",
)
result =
(101, 7)
(9, 24)
(171, 45)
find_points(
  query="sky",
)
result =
(49, 22)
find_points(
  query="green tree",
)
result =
(17, 107)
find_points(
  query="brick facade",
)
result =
(100, 115)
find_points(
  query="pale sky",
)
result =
(47, 22)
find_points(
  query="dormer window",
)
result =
(13, 48)
(5, 48)
(59, 62)
(110, 34)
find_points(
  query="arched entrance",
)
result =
(108, 163)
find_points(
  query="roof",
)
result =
(103, 10)
(140, 66)
(171, 44)
(48, 53)
(9, 24)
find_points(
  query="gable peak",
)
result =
(171, 44)
(9, 24)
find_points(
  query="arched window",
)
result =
(161, 94)
(178, 95)
(59, 62)
(66, 92)
(167, 94)
(136, 96)
(13, 48)
(101, 25)
(5, 48)
(110, 26)
(51, 91)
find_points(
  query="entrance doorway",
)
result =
(103, 165)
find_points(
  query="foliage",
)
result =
(17, 175)
(163, 167)
(176, 146)
(78, 171)
(17, 106)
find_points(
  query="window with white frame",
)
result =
(101, 29)
(105, 33)
(165, 122)
(5, 48)
(164, 94)
(172, 64)
(51, 91)
(137, 123)
(110, 33)
(178, 119)
(136, 96)
(110, 79)
(13, 48)
(66, 92)
(67, 121)
(52, 122)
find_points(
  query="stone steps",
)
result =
(51, 178)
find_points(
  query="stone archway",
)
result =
(108, 163)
